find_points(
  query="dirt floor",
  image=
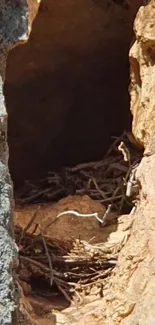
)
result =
(70, 229)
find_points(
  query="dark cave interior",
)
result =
(66, 89)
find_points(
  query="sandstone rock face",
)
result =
(130, 298)
(142, 60)
(15, 26)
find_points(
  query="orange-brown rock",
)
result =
(142, 60)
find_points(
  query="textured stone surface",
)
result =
(142, 59)
(14, 28)
(131, 297)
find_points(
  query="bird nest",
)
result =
(76, 267)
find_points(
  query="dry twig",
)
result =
(48, 256)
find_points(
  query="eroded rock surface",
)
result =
(15, 27)
(142, 59)
(131, 298)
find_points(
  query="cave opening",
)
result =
(66, 89)
(66, 92)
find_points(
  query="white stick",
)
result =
(83, 215)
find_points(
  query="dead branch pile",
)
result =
(110, 181)
(73, 268)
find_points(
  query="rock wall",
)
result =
(15, 26)
(66, 86)
(142, 61)
(131, 295)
